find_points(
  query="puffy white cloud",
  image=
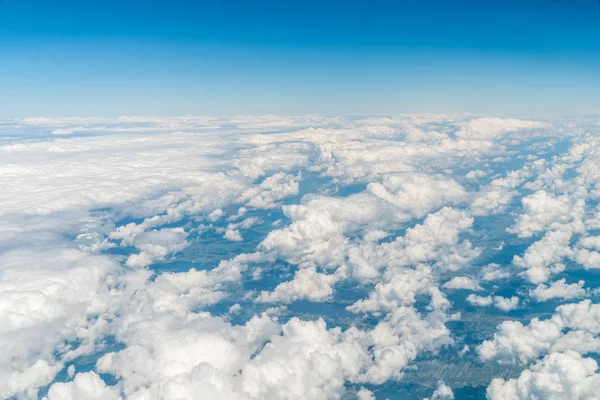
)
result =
(572, 327)
(69, 199)
(506, 304)
(365, 394)
(476, 174)
(462, 282)
(86, 385)
(558, 289)
(493, 272)
(269, 191)
(234, 235)
(443, 392)
(543, 211)
(543, 257)
(491, 127)
(588, 258)
(46, 298)
(559, 376)
(417, 194)
(157, 245)
(307, 284)
(400, 290)
(436, 240)
(480, 301)
(501, 303)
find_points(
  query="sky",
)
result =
(110, 58)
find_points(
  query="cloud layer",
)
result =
(296, 257)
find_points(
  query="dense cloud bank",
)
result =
(298, 258)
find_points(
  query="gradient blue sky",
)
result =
(117, 57)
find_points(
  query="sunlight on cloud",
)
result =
(299, 258)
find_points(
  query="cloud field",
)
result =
(409, 257)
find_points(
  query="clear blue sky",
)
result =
(117, 57)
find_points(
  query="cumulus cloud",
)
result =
(307, 284)
(572, 327)
(86, 385)
(462, 282)
(501, 303)
(157, 245)
(443, 392)
(543, 211)
(480, 301)
(543, 257)
(387, 210)
(558, 376)
(559, 289)
(269, 191)
(490, 128)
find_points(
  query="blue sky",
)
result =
(110, 58)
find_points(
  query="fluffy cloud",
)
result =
(307, 284)
(86, 385)
(269, 191)
(462, 282)
(46, 299)
(443, 392)
(543, 257)
(572, 327)
(490, 128)
(558, 289)
(542, 211)
(559, 376)
(502, 303)
(388, 207)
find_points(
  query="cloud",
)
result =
(269, 191)
(543, 257)
(386, 209)
(542, 211)
(557, 376)
(86, 385)
(443, 392)
(572, 327)
(502, 303)
(506, 304)
(462, 282)
(490, 128)
(307, 284)
(157, 245)
(46, 298)
(480, 301)
(559, 289)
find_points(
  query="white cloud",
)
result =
(130, 184)
(540, 258)
(462, 282)
(506, 304)
(45, 299)
(559, 376)
(543, 211)
(502, 303)
(417, 194)
(443, 392)
(157, 245)
(365, 394)
(480, 301)
(565, 330)
(272, 189)
(307, 284)
(86, 385)
(493, 272)
(559, 289)
(490, 128)
(234, 235)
